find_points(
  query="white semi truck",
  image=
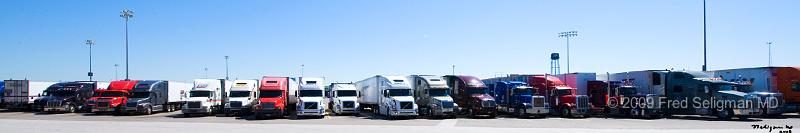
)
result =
(241, 97)
(387, 95)
(344, 98)
(205, 97)
(311, 97)
(20, 94)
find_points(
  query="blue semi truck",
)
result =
(518, 99)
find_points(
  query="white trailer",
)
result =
(344, 98)
(20, 94)
(206, 96)
(178, 93)
(578, 81)
(387, 95)
(646, 82)
(241, 97)
(311, 96)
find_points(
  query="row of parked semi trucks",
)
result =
(650, 93)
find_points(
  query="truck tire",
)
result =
(70, 108)
(471, 113)
(725, 114)
(148, 110)
(566, 113)
(518, 113)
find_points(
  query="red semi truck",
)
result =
(273, 98)
(563, 99)
(113, 98)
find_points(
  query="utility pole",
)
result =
(127, 14)
(226, 68)
(705, 57)
(206, 69)
(90, 43)
(116, 74)
(769, 52)
(454, 69)
(302, 66)
(567, 35)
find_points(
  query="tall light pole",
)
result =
(769, 52)
(454, 69)
(226, 68)
(206, 69)
(90, 43)
(116, 74)
(567, 35)
(302, 66)
(127, 15)
(705, 57)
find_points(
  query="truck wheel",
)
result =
(724, 114)
(634, 113)
(565, 113)
(518, 113)
(148, 110)
(471, 113)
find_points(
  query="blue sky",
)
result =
(349, 40)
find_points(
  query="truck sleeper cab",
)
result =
(627, 101)
(311, 101)
(273, 97)
(149, 96)
(241, 97)
(563, 99)
(389, 96)
(344, 99)
(519, 99)
(472, 96)
(113, 98)
(66, 97)
(433, 96)
(205, 97)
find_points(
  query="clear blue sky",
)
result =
(348, 40)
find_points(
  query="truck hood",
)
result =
(269, 100)
(347, 98)
(201, 99)
(443, 98)
(136, 100)
(49, 98)
(482, 97)
(244, 100)
(311, 99)
(733, 93)
(402, 98)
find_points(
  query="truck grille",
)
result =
(447, 104)
(268, 105)
(133, 104)
(194, 104)
(310, 105)
(53, 104)
(102, 104)
(538, 101)
(488, 103)
(236, 104)
(582, 102)
(348, 104)
(406, 105)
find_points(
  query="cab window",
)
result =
(796, 87)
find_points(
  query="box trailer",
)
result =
(67, 97)
(311, 97)
(344, 98)
(20, 94)
(390, 96)
(577, 81)
(472, 96)
(432, 95)
(241, 97)
(206, 97)
(783, 83)
(149, 96)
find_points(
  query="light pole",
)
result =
(769, 52)
(567, 35)
(206, 69)
(127, 14)
(454, 69)
(302, 66)
(226, 68)
(116, 74)
(705, 57)
(90, 43)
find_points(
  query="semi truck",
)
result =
(619, 98)
(472, 96)
(149, 96)
(113, 98)
(344, 98)
(276, 97)
(242, 96)
(518, 98)
(780, 82)
(206, 97)
(432, 96)
(389, 96)
(311, 97)
(563, 99)
(693, 93)
(20, 94)
(67, 97)
(2, 100)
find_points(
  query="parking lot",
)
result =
(77, 122)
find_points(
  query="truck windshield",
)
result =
(200, 94)
(345, 93)
(239, 94)
(109, 94)
(140, 95)
(399, 92)
(564, 91)
(627, 90)
(310, 93)
(438, 92)
(523, 91)
(270, 94)
(472, 91)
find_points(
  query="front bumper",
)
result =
(747, 112)
(345, 110)
(104, 109)
(311, 112)
(270, 112)
(444, 112)
(404, 112)
(581, 111)
(537, 110)
(201, 110)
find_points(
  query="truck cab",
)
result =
(205, 97)
(627, 101)
(241, 97)
(273, 97)
(472, 96)
(147, 96)
(699, 88)
(66, 97)
(311, 97)
(519, 99)
(344, 99)
(433, 96)
(563, 99)
(113, 98)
